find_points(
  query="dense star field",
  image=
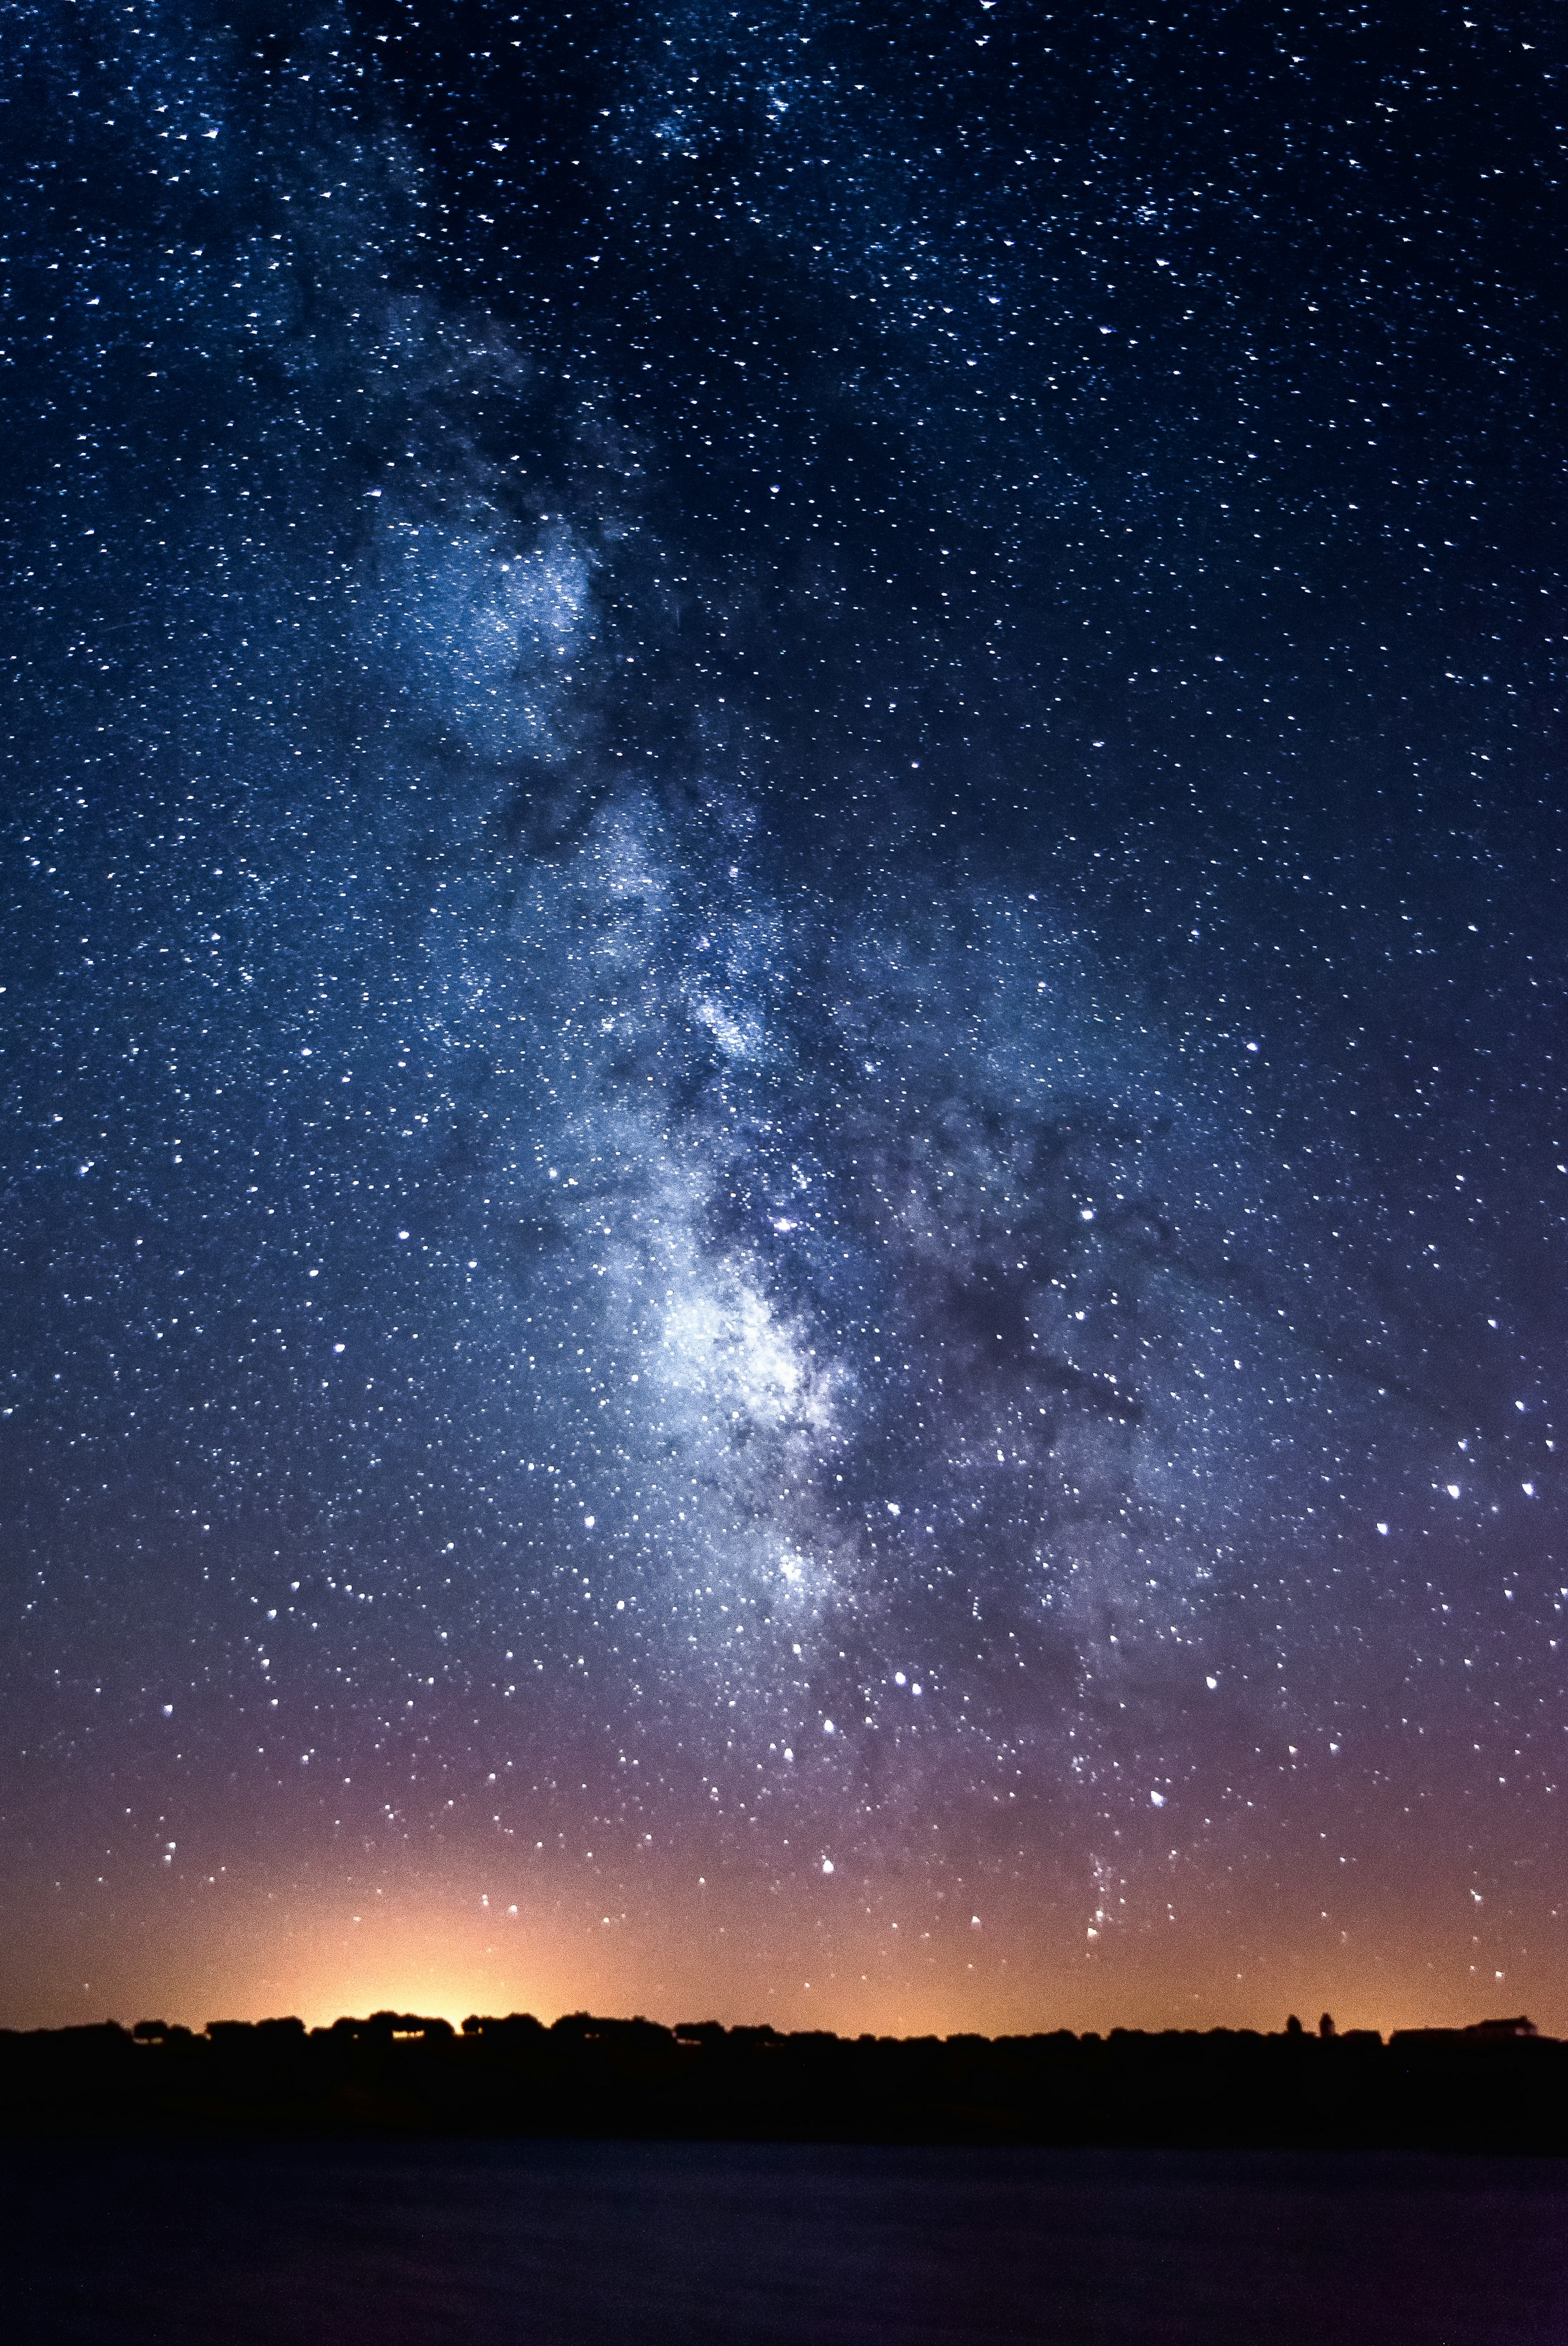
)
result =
(784, 1038)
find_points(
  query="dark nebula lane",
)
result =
(786, 1167)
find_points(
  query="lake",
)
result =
(586, 2243)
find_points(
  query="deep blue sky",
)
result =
(782, 849)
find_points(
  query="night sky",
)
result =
(785, 1158)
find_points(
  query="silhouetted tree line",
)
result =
(1498, 2085)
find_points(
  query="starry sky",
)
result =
(781, 879)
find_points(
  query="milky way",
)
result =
(785, 1170)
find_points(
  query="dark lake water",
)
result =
(552, 2244)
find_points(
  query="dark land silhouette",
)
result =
(1496, 2087)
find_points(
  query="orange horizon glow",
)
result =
(741, 1957)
